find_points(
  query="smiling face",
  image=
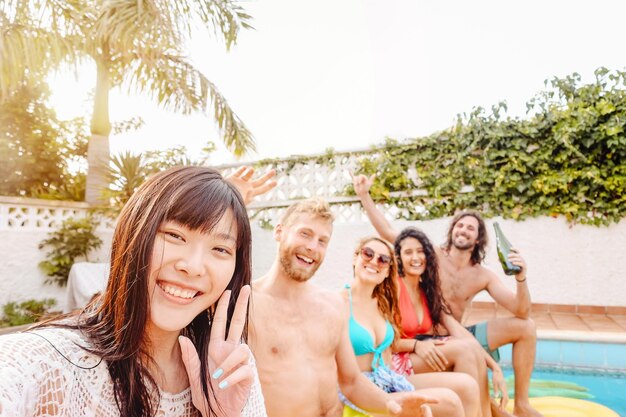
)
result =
(372, 269)
(302, 245)
(413, 257)
(465, 233)
(189, 271)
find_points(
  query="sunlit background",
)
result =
(346, 74)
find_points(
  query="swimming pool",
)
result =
(598, 367)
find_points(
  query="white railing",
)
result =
(297, 178)
(316, 176)
(29, 214)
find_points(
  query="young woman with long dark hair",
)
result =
(431, 338)
(167, 337)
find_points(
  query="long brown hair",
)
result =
(480, 249)
(386, 293)
(429, 283)
(115, 323)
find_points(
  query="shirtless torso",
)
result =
(300, 332)
(462, 277)
(460, 284)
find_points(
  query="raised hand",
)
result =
(230, 372)
(242, 179)
(516, 259)
(362, 184)
(410, 404)
(430, 353)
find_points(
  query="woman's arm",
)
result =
(427, 350)
(404, 345)
(362, 185)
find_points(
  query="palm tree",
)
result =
(135, 44)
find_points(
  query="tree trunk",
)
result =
(98, 148)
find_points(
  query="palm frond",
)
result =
(227, 16)
(63, 17)
(30, 52)
(125, 172)
(178, 86)
(224, 18)
(126, 27)
(124, 30)
(35, 37)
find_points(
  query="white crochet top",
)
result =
(35, 380)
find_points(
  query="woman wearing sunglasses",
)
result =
(374, 321)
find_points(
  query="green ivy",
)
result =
(266, 224)
(27, 312)
(74, 239)
(567, 158)
(285, 165)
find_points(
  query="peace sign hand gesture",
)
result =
(232, 374)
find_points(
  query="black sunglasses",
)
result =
(367, 254)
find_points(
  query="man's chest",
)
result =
(460, 285)
(293, 334)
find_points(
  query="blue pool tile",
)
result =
(573, 354)
(549, 352)
(593, 355)
(610, 356)
(615, 356)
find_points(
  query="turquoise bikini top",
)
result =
(362, 341)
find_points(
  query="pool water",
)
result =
(607, 389)
(598, 367)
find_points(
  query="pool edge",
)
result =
(582, 336)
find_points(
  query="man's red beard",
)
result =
(286, 257)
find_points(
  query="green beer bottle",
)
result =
(504, 248)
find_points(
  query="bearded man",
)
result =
(463, 276)
(299, 333)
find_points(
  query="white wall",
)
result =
(566, 264)
(20, 277)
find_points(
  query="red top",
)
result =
(410, 326)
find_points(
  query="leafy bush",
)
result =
(26, 312)
(568, 158)
(74, 239)
(41, 155)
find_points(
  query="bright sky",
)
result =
(346, 74)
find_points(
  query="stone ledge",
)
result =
(582, 336)
(559, 308)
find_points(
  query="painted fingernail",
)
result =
(218, 373)
(223, 384)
